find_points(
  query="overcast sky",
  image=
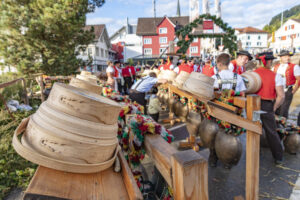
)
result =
(238, 13)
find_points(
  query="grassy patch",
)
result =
(15, 171)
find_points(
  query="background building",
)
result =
(126, 43)
(252, 39)
(100, 50)
(158, 32)
(287, 37)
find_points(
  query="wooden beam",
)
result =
(133, 191)
(240, 102)
(224, 105)
(190, 176)
(234, 119)
(252, 152)
(160, 151)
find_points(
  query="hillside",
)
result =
(275, 22)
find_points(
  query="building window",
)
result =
(102, 53)
(194, 49)
(248, 37)
(106, 54)
(259, 37)
(97, 51)
(161, 50)
(90, 51)
(163, 30)
(147, 40)
(195, 40)
(163, 40)
(148, 51)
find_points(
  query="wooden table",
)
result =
(106, 185)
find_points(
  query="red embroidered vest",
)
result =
(116, 72)
(268, 86)
(185, 68)
(289, 74)
(208, 70)
(237, 69)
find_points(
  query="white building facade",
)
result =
(252, 39)
(287, 37)
(99, 51)
(132, 43)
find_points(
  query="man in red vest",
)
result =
(118, 76)
(291, 75)
(238, 65)
(184, 67)
(127, 75)
(208, 69)
(133, 73)
(272, 96)
(162, 65)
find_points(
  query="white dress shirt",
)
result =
(144, 84)
(227, 75)
(282, 69)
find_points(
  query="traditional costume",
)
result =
(127, 75)
(233, 66)
(268, 95)
(290, 73)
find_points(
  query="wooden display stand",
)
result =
(57, 185)
(227, 113)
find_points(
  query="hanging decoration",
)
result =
(186, 36)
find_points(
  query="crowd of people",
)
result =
(279, 84)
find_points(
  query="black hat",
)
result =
(285, 53)
(246, 53)
(269, 56)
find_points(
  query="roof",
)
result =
(297, 20)
(117, 32)
(250, 29)
(147, 26)
(98, 29)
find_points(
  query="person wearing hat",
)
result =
(272, 96)
(291, 76)
(141, 87)
(238, 65)
(118, 76)
(208, 69)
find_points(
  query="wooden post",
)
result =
(25, 92)
(252, 152)
(190, 176)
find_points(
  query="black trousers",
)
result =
(283, 110)
(155, 117)
(139, 97)
(120, 87)
(127, 85)
(269, 125)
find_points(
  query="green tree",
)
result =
(45, 35)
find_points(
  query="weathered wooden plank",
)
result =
(224, 105)
(190, 176)
(133, 191)
(234, 119)
(252, 152)
(160, 151)
(240, 102)
(102, 185)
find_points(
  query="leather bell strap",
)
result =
(39, 159)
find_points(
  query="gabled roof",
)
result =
(147, 26)
(117, 32)
(296, 20)
(98, 29)
(250, 29)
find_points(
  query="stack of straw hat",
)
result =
(87, 76)
(200, 84)
(74, 130)
(181, 78)
(167, 75)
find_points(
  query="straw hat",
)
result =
(49, 148)
(85, 73)
(181, 78)
(200, 85)
(83, 104)
(168, 75)
(89, 86)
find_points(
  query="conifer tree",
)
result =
(45, 35)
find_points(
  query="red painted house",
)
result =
(158, 32)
